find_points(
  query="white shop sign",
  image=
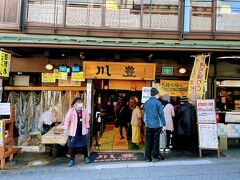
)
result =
(146, 93)
(5, 109)
(208, 136)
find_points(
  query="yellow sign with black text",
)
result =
(173, 87)
(5, 60)
(197, 79)
(77, 76)
(48, 78)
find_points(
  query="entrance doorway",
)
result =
(108, 103)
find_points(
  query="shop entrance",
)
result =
(110, 97)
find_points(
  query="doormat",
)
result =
(116, 156)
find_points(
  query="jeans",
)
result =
(127, 130)
(152, 143)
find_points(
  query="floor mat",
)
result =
(120, 144)
(106, 141)
(131, 147)
(116, 156)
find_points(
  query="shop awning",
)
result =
(76, 42)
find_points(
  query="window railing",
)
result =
(154, 15)
(116, 14)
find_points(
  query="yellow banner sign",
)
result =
(5, 59)
(77, 76)
(173, 87)
(197, 79)
(60, 75)
(119, 70)
(48, 78)
(1, 133)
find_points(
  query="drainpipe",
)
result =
(22, 16)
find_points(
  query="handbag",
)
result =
(116, 122)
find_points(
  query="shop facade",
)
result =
(142, 35)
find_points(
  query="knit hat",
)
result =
(166, 97)
(154, 92)
(184, 99)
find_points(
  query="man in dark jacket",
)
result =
(155, 123)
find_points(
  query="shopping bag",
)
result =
(163, 140)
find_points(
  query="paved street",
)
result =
(211, 168)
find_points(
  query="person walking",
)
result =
(76, 126)
(136, 123)
(155, 123)
(169, 113)
(124, 117)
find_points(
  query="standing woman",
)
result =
(76, 125)
(136, 122)
(168, 110)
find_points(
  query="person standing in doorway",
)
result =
(76, 125)
(124, 117)
(136, 123)
(155, 123)
(169, 113)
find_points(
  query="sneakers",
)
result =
(155, 160)
(148, 160)
(87, 160)
(71, 163)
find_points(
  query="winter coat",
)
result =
(169, 114)
(124, 116)
(71, 119)
(136, 117)
(186, 120)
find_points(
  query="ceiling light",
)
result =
(182, 70)
(228, 57)
(49, 66)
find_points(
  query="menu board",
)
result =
(208, 136)
(5, 109)
(146, 93)
(207, 127)
(206, 111)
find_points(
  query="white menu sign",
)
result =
(206, 111)
(5, 109)
(208, 136)
(146, 93)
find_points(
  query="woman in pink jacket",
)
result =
(76, 124)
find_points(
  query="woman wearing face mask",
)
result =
(76, 125)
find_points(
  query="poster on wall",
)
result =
(206, 111)
(146, 93)
(77, 76)
(48, 78)
(5, 60)
(5, 109)
(208, 136)
(60, 75)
